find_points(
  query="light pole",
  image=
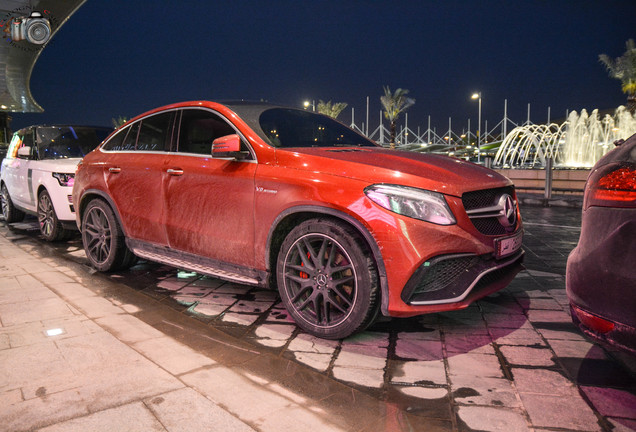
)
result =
(308, 103)
(477, 95)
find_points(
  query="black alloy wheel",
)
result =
(103, 238)
(50, 226)
(9, 211)
(327, 279)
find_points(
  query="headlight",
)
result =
(65, 179)
(416, 203)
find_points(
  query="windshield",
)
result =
(295, 128)
(61, 142)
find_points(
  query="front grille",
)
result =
(482, 199)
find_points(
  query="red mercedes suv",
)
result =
(279, 197)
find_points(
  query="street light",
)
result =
(478, 96)
(308, 103)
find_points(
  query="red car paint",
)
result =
(230, 210)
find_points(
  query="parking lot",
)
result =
(511, 362)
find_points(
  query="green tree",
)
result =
(394, 104)
(329, 109)
(118, 121)
(624, 68)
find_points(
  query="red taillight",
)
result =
(613, 186)
(594, 323)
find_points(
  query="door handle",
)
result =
(114, 169)
(175, 171)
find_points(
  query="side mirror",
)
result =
(228, 146)
(24, 152)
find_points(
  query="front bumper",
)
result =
(454, 278)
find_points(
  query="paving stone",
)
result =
(373, 378)
(572, 334)
(127, 328)
(171, 355)
(418, 349)
(542, 381)
(248, 401)
(492, 419)
(521, 355)
(475, 365)
(96, 307)
(576, 348)
(128, 418)
(274, 335)
(239, 318)
(424, 392)
(316, 361)
(483, 391)
(419, 372)
(623, 425)
(215, 298)
(514, 321)
(358, 357)
(250, 306)
(34, 310)
(208, 310)
(308, 343)
(612, 402)
(46, 274)
(468, 342)
(185, 410)
(72, 290)
(549, 316)
(555, 412)
(516, 337)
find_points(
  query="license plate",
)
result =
(508, 245)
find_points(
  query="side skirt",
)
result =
(198, 264)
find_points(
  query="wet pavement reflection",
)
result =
(514, 358)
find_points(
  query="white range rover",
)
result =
(38, 172)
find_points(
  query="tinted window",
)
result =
(154, 132)
(68, 141)
(199, 128)
(124, 140)
(295, 128)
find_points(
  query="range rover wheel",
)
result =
(9, 211)
(327, 279)
(50, 226)
(103, 238)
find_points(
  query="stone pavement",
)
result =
(168, 348)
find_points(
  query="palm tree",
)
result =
(394, 104)
(120, 120)
(329, 109)
(624, 69)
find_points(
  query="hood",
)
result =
(57, 165)
(377, 165)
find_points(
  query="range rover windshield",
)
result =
(295, 128)
(61, 142)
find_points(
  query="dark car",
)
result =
(601, 274)
(274, 196)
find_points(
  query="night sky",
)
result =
(121, 58)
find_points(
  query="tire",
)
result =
(50, 226)
(327, 279)
(103, 239)
(9, 211)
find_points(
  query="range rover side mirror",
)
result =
(228, 146)
(24, 152)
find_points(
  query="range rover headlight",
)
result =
(65, 179)
(412, 202)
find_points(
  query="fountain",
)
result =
(577, 143)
